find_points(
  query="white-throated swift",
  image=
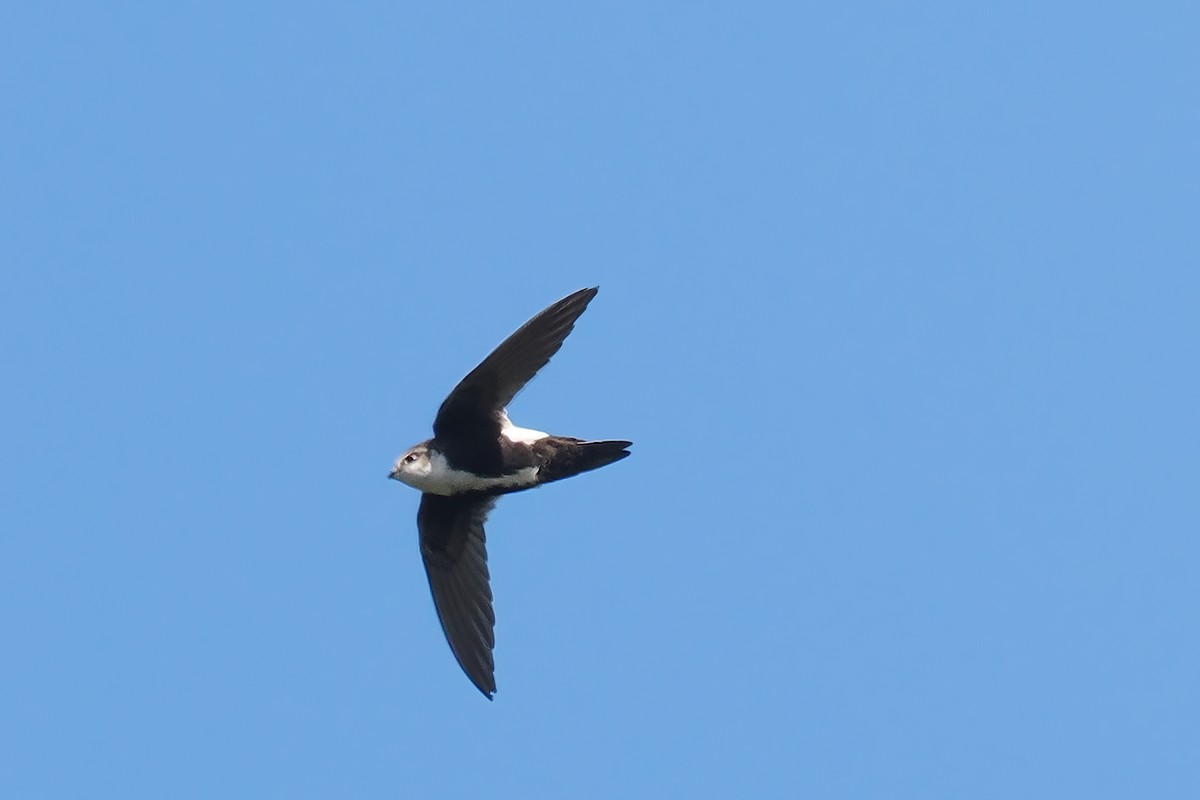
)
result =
(476, 454)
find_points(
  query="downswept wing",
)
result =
(491, 386)
(453, 546)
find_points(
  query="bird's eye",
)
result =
(410, 458)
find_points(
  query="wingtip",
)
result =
(576, 301)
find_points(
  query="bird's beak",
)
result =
(394, 475)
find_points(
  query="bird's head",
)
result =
(413, 467)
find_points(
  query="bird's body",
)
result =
(475, 456)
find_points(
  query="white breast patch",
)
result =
(444, 480)
(520, 435)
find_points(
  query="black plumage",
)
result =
(476, 455)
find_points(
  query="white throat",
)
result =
(445, 480)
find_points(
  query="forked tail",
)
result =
(576, 457)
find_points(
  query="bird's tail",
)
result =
(582, 457)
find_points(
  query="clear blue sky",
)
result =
(900, 306)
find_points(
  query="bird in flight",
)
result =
(477, 454)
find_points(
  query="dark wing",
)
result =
(455, 555)
(492, 385)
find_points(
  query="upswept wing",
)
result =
(491, 386)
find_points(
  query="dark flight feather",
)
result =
(453, 546)
(475, 402)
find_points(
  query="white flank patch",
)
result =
(444, 480)
(518, 435)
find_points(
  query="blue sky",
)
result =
(900, 307)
